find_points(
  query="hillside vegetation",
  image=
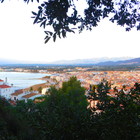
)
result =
(65, 114)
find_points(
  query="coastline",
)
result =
(36, 87)
(23, 80)
(47, 83)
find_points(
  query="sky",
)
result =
(21, 40)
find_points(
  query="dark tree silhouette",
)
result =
(63, 15)
(63, 114)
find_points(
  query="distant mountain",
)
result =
(93, 61)
(134, 61)
(90, 61)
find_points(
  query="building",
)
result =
(45, 90)
(5, 89)
(30, 96)
(17, 95)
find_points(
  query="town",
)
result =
(58, 75)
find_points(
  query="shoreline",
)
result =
(42, 85)
(36, 87)
(23, 80)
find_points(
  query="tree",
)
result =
(63, 114)
(119, 116)
(31, 89)
(12, 125)
(63, 16)
(40, 89)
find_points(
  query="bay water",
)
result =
(22, 80)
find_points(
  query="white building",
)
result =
(6, 90)
(17, 95)
(2, 82)
(30, 96)
(13, 93)
(44, 90)
(24, 95)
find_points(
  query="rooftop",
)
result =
(5, 86)
(18, 92)
(29, 95)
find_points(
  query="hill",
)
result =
(90, 61)
(135, 61)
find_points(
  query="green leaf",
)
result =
(63, 33)
(37, 17)
(47, 40)
(54, 37)
(34, 13)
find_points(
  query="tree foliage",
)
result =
(119, 115)
(40, 89)
(59, 17)
(13, 126)
(26, 1)
(63, 15)
(63, 114)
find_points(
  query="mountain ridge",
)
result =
(103, 61)
(91, 60)
(134, 61)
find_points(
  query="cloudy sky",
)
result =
(23, 41)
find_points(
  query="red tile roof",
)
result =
(18, 92)
(1, 80)
(4, 86)
(29, 95)
(12, 102)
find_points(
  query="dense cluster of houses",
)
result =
(87, 78)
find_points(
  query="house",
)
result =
(1, 82)
(44, 90)
(17, 95)
(31, 96)
(6, 91)
(24, 95)
(13, 93)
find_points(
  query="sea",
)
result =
(22, 80)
